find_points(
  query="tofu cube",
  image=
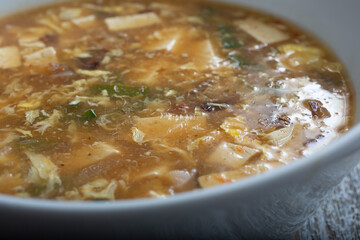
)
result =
(84, 21)
(115, 24)
(42, 57)
(9, 57)
(261, 31)
(231, 156)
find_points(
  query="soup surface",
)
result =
(104, 100)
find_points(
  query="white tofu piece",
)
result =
(215, 179)
(158, 171)
(204, 56)
(88, 155)
(132, 8)
(166, 39)
(31, 44)
(84, 21)
(262, 32)
(156, 5)
(51, 24)
(30, 38)
(9, 57)
(164, 44)
(170, 126)
(231, 156)
(201, 53)
(33, 34)
(180, 178)
(93, 73)
(70, 13)
(147, 76)
(149, 73)
(115, 24)
(42, 57)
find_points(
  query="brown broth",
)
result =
(105, 100)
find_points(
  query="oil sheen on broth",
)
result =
(105, 100)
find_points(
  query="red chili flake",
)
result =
(222, 179)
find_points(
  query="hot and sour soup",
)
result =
(105, 100)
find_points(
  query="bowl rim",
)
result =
(341, 147)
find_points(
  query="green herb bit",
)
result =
(245, 63)
(89, 115)
(36, 189)
(225, 29)
(269, 19)
(116, 77)
(73, 107)
(36, 144)
(239, 60)
(231, 42)
(42, 117)
(122, 90)
(101, 14)
(130, 91)
(207, 12)
(29, 143)
(99, 200)
(228, 40)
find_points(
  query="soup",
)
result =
(105, 100)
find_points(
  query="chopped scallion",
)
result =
(231, 42)
(228, 38)
(225, 29)
(36, 144)
(72, 107)
(89, 115)
(207, 12)
(239, 60)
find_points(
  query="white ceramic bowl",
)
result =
(271, 205)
